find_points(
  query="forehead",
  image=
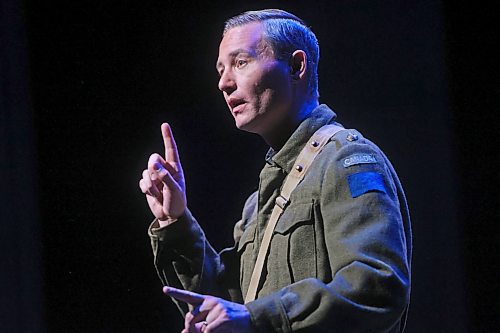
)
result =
(246, 37)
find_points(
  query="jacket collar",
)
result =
(286, 156)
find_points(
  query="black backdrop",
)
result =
(86, 85)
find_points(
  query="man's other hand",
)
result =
(212, 314)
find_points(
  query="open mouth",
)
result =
(236, 105)
(239, 108)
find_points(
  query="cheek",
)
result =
(274, 91)
(269, 87)
(277, 80)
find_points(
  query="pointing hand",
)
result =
(212, 314)
(163, 181)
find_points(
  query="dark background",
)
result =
(85, 86)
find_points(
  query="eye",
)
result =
(240, 63)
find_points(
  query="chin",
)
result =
(246, 126)
(243, 127)
(253, 123)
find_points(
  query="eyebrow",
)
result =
(232, 55)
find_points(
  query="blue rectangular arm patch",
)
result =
(360, 183)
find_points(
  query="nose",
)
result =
(227, 83)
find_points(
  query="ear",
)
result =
(298, 64)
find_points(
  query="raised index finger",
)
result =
(171, 153)
(184, 295)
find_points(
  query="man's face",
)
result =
(256, 86)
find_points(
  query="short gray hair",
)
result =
(285, 33)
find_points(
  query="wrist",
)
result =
(167, 221)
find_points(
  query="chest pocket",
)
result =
(294, 238)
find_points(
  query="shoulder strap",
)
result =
(319, 139)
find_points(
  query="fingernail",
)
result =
(157, 166)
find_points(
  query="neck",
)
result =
(277, 137)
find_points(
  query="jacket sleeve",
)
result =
(184, 258)
(366, 229)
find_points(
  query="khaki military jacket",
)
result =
(339, 258)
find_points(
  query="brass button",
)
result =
(352, 137)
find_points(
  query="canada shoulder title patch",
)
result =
(363, 182)
(356, 159)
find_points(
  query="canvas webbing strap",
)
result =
(313, 147)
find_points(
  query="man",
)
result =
(339, 256)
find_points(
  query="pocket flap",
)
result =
(248, 235)
(294, 216)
